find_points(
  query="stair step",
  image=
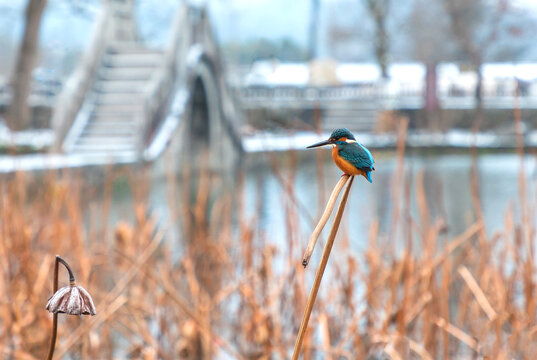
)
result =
(108, 130)
(135, 86)
(116, 118)
(107, 142)
(109, 137)
(119, 138)
(132, 60)
(112, 128)
(117, 110)
(125, 74)
(128, 47)
(126, 92)
(107, 147)
(114, 121)
(103, 149)
(119, 99)
(103, 152)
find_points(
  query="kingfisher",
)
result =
(348, 154)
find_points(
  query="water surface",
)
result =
(446, 178)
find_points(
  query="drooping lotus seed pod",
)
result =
(73, 300)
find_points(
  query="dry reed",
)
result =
(347, 180)
(209, 280)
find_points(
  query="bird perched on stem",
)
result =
(349, 155)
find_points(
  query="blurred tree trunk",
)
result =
(432, 104)
(18, 113)
(313, 30)
(479, 116)
(473, 40)
(431, 97)
(379, 11)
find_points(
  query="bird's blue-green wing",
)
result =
(357, 155)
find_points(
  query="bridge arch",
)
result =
(206, 126)
(199, 122)
(183, 104)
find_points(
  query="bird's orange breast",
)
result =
(343, 164)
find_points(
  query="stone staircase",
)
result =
(115, 103)
(354, 115)
(110, 120)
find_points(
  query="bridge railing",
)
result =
(318, 93)
(380, 94)
(158, 92)
(227, 103)
(42, 93)
(71, 98)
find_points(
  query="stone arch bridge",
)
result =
(127, 103)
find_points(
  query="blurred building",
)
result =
(355, 94)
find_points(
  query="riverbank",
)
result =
(456, 139)
(281, 142)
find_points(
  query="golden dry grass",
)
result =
(223, 289)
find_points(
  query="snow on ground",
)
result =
(264, 141)
(454, 138)
(35, 138)
(354, 73)
(37, 162)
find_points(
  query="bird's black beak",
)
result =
(322, 143)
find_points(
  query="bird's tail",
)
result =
(368, 176)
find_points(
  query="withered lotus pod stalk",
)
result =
(72, 300)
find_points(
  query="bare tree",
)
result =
(18, 113)
(431, 43)
(313, 29)
(474, 25)
(346, 39)
(379, 10)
